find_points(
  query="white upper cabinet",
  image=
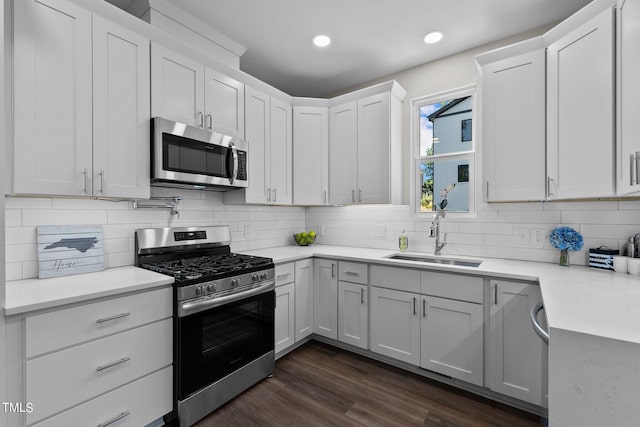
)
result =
(310, 155)
(189, 92)
(343, 153)
(513, 122)
(53, 101)
(81, 104)
(580, 109)
(281, 152)
(223, 103)
(628, 101)
(177, 87)
(121, 112)
(268, 131)
(365, 151)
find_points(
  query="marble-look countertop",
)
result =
(23, 296)
(576, 298)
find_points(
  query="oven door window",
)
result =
(216, 342)
(181, 154)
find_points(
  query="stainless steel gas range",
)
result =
(223, 314)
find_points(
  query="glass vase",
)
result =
(564, 257)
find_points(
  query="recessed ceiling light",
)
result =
(322, 40)
(433, 37)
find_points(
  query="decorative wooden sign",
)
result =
(64, 250)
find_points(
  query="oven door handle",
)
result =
(187, 308)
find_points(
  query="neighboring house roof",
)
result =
(440, 112)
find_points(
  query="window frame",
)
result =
(416, 159)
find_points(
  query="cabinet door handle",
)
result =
(359, 195)
(361, 295)
(549, 181)
(275, 195)
(112, 364)
(353, 195)
(632, 169)
(269, 194)
(351, 273)
(324, 197)
(282, 276)
(101, 180)
(210, 120)
(414, 306)
(487, 189)
(201, 120)
(110, 318)
(114, 419)
(424, 308)
(333, 270)
(495, 294)
(84, 173)
(637, 167)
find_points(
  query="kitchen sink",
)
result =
(435, 260)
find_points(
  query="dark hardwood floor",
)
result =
(320, 385)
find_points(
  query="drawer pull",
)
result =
(282, 276)
(112, 364)
(424, 308)
(351, 273)
(109, 319)
(114, 419)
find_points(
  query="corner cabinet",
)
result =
(187, 91)
(517, 364)
(628, 103)
(81, 104)
(310, 155)
(513, 117)
(268, 129)
(353, 304)
(365, 151)
(580, 110)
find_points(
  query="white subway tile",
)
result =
(30, 269)
(602, 217)
(27, 203)
(608, 205)
(13, 217)
(21, 252)
(116, 245)
(487, 228)
(62, 217)
(89, 204)
(119, 259)
(17, 235)
(13, 271)
(541, 217)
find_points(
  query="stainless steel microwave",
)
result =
(188, 156)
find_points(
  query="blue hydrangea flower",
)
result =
(566, 238)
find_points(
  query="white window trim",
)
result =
(416, 159)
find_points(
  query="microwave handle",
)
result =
(234, 170)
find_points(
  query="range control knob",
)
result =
(263, 275)
(255, 277)
(235, 282)
(211, 288)
(199, 290)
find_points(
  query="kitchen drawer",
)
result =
(402, 279)
(60, 380)
(285, 273)
(354, 272)
(452, 286)
(137, 403)
(63, 328)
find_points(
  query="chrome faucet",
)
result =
(434, 231)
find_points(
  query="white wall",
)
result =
(252, 227)
(3, 131)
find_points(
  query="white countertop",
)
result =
(576, 298)
(35, 294)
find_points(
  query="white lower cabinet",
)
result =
(285, 316)
(114, 363)
(517, 357)
(395, 324)
(304, 299)
(452, 339)
(353, 314)
(325, 298)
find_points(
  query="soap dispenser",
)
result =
(403, 241)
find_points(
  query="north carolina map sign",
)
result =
(64, 250)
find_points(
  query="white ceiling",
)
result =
(370, 38)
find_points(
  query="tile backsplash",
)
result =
(252, 227)
(506, 230)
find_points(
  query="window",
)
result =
(444, 151)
